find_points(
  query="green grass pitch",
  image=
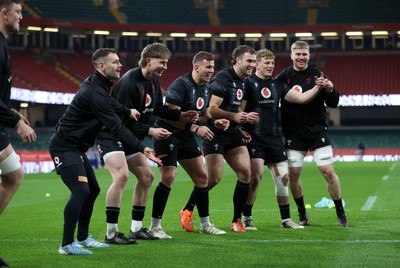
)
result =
(31, 226)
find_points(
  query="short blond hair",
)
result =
(264, 53)
(300, 45)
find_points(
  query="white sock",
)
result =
(112, 228)
(136, 225)
(155, 222)
(205, 221)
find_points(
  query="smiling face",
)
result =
(111, 66)
(265, 67)
(204, 71)
(300, 58)
(156, 67)
(245, 64)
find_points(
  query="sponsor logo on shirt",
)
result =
(148, 100)
(239, 94)
(57, 161)
(298, 88)
(200, 103)
(265, 92)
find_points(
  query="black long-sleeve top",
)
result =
(136, 92)
(90, 110)
(308, 119)
(8, 118)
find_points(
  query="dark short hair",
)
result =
(8, 3)
(202, 55)
(240, 50)
(154, 50)
(101, 53)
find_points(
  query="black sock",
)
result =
(285, 211)
(201, 197)
(191, 202)
(138, 213)
(247, 211)
(300, 205)
(239, 199)
(339, 207)
(160, 199)
(112, 214)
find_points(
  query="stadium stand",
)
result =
(40, 75)
(354, 71)
(71, 10)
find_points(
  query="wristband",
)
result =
(188, 126)
(210, 121)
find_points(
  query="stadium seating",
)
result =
(71, 10)
(39, 75)
(233, 12)
(364, 74)
(371, 137)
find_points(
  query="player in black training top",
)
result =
(305, 129)
(11, 171)
(188, 92)
(266, 147)
(139, 89)
(90, 110)
(228, 89)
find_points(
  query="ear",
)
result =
(3, 11)
(148, 59)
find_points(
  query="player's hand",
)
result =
(135, 115)
(222, 124)
(245, 136)
(252, 118)
(149, 153)
(21, 116)
(320, 81)
(190, 116)
(26, 133)
(240, 117)
(205, 133)
(159, 133)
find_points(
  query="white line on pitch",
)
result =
(385, 178)
(369, 203)
(393, 166)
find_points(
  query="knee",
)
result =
(201, 181)
(120, 180)
(255, 179)
(146, 180)
(329, 174)
(95, 191)
(212, 181)
(244, 175)
(13, 180)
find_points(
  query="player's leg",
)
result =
(279, 173)
(11, 176)
(160, 198)
(197, 172)
(74, 177)
(295, 160)
(324, 159)
(83, 238)
(238, 159)
(139, 166)
(168, 171)
(257, 172)
(116, 164)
